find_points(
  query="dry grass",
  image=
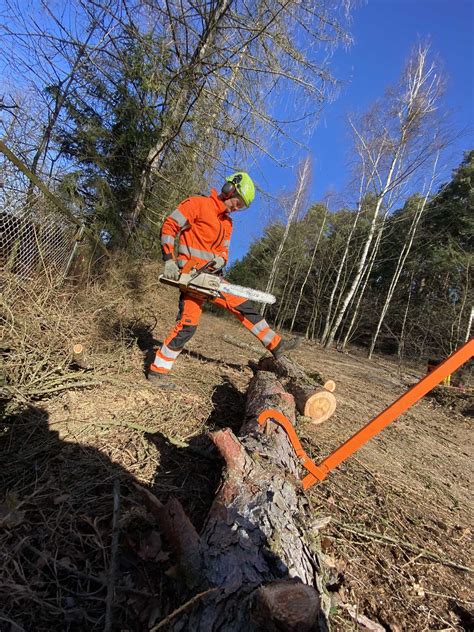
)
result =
(400, 537)
(68, 435)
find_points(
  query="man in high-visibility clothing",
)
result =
(203, 226)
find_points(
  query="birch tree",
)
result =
(469, 325)
(360, 292)
(402, 336)
(394, 140)
(403, 255)
(301, 190)
(309, 269)
(331, 312)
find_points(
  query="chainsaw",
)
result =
(200, 282)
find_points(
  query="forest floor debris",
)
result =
(406, 494)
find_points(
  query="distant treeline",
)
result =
(430, 305)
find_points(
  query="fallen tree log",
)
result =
(259, 545)
(313, 396)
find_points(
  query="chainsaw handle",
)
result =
(199, 271)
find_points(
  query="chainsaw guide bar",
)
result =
(211, 286)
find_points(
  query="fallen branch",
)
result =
(241, 345)
(370, 535)
(368, 624)
(61, 387)
(14, 626)
(182, 608)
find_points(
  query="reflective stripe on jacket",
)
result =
(204, 228)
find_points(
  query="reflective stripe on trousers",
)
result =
(189, 314)
(164, 360)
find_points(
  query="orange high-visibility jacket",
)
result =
(204, 228)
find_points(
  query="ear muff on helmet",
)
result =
(228, 190)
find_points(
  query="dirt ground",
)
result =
(399, 542)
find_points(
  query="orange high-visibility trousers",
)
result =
(189, 314)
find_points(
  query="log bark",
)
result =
(313, 397)
(259, 545)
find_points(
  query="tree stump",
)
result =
(259, 546)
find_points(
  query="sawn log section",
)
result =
(313, 397)
(259, 546)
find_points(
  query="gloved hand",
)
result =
(171, 270)
(218, 262)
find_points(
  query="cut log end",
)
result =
(78, 356)
(320, 406)
(330, 386)
(286, 605)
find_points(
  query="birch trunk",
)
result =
(395, 141)
(469, 325)
(363, 287)
(401, 344)
(329, 314)
(360, 266)
(302, 184)
(284, 315)
(402, 260)
(308, 272)
(466, 293)
(312, 319)
(281, 302)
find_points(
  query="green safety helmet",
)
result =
(239, 183)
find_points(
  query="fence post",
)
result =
(77, 239)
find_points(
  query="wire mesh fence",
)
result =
(35, 238)
(33, 244)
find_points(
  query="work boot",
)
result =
(161, 380)
(284, 346)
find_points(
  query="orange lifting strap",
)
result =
(318, 472)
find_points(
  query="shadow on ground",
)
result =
(56, 508)
(142, 333)
(56, 516)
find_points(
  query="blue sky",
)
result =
(384, 33)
